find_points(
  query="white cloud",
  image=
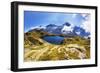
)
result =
(86, 16)
(83, 15)
(86, 24)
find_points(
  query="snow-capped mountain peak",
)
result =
(66, 29)
(67, 24)
(78, 32)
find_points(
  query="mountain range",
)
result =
(64, 29)
(53, 42)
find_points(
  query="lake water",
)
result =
(54, 39)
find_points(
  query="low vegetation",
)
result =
(37, 49)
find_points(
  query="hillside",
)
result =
(38, 49)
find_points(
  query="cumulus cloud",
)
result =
(86, 23)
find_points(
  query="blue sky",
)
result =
(33, 19)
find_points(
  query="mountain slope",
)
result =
(37, 49)
(65, 29)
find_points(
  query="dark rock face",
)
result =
(57, 29)
(67, 24)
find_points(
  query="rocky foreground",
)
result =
(36, 49)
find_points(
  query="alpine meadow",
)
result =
(52, 36)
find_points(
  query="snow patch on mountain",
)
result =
(78, 32)
(66, 29)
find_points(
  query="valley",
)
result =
(70, 47)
